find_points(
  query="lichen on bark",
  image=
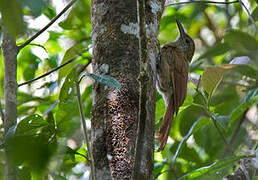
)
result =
(114, 112)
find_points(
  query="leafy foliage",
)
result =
(47, 142)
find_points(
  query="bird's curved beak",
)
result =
(180, 27)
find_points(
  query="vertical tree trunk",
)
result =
(114, 112)
(10, 94)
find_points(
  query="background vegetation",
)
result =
(214, 129)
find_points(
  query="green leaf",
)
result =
(68, 88)
(213, 168)
(35, 6)
(255, 14)
(28, 63)
(158, 167)
(241, 41)
(30, 125)
(248, 101)
(12, 17)
(211, 78)
(246, 70)
(105, 79)
(187, 117)
(217, 50)
(67, 117)
(69, 54)
(195, 127)
(50, 12)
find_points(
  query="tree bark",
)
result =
(10, 52)
(115, 113)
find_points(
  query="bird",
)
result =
(172, 77)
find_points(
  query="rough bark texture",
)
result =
(10, 94)
(115, 113)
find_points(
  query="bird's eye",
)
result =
(187, 41)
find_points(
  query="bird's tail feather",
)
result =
(166, 125)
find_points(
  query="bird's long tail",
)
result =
(166, 125)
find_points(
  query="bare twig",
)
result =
(206, 2)
(248, 12)
(89, 149)
(46, 74)
(2, 112)
(39, 45)
(53, 70)
(214, 121)
(236, 131)
(47, 26)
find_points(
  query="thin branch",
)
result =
(89, 149)
(236, 131)
(47, 26)
(249, 14)
(214, 121)
(62, 65)
(46, 74)
(206, 2)
(2, 112)
(39, 45)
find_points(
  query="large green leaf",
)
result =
(241, 41)
(30, 125)
(28, 63)
(213, 168)
(68, 88)
(35, 6)
(69, 54)
(195, 127)
(211, 78)
(255, 14)
(217, 50)
(248, 101)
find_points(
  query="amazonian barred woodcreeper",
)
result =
(172, 76)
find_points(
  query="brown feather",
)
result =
(179, 88)
(172, 76)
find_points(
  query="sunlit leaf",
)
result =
(211, 78)
(69, 54)
(240, 60)
(67, 89)
(50, 12)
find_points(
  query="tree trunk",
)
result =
(115, 113)
(10, 52)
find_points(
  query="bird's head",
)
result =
(185, 42)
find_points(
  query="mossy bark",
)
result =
(115, 113)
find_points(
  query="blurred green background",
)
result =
(48, 139)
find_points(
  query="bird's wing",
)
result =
(180, 77)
